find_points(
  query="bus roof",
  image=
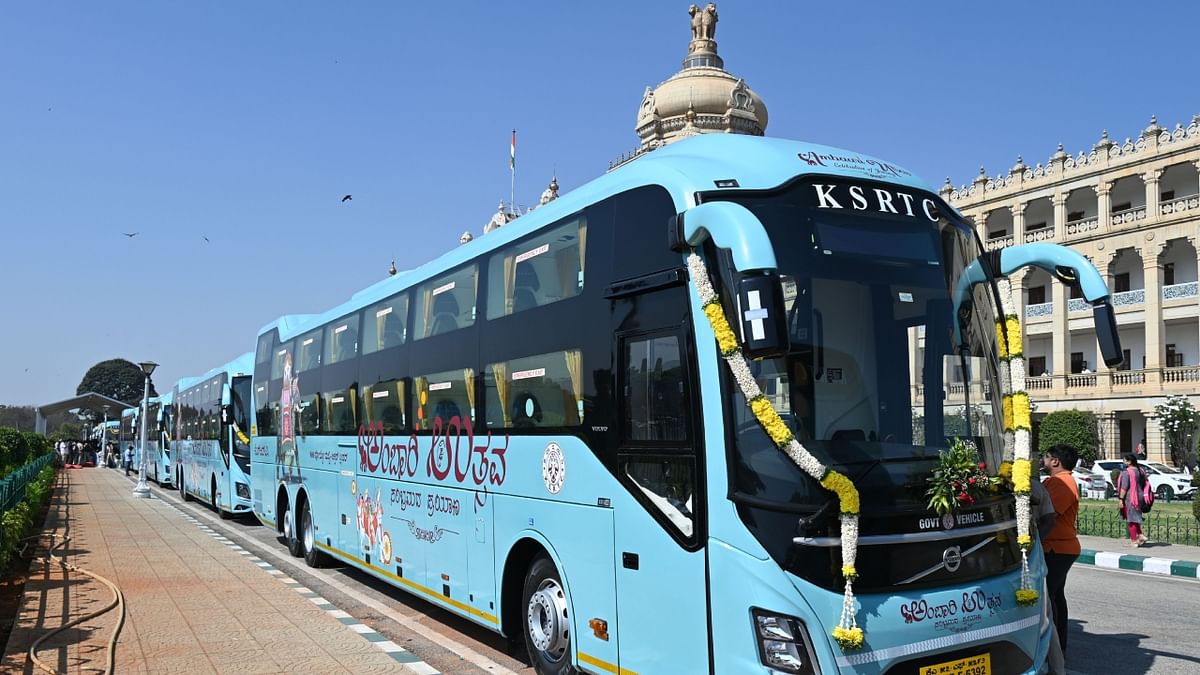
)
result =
(683, 169)
(242, 365)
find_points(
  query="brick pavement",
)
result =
(193, 604)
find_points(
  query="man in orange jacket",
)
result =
(1062, 544)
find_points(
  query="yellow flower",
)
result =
(846, 492)
(1015, 348)
(726, 340)
(1000, 344)
(1020, 411)
(1024, 541)
(848, 638)
(1008, 412)
(1006, 470)
(1026, 596)
(849, 572)
(1022, 471)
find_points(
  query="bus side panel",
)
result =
(481, 557)
(662, 594)
(322, 489)
(445, 526)
(580, 542)
(262, 478)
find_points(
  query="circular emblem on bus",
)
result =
(554, 468)
(952, 558)
(948, 521)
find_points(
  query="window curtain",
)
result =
(510, 283)
(469, 379)
(422, 387)
(582, 245)
(575, 368)
(503, 390)
(427, 298)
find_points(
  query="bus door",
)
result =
(659, 534)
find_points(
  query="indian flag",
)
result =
(512, 152)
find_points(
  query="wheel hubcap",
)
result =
(287, 524)
(308, 532)
(547, 618)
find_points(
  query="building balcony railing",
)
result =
(1077, 305)
(1082, 225)
(1182, 374)
(1039, 382)
(1128, 377)
(1175, 291)
(1129, 215)
(996, 243)
(1179, 205)
(1125, 298)
(1042, 234)
(1039, 309)
(1078, 380)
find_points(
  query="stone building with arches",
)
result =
(1133, 208)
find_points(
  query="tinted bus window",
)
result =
(446, 303)
(447, 394)
(537, 391)
(656, 402)
(383, 324)
(538, 271)
(341, 340)
(340, 410)
(263, 353)
(308, 351)
(383, 402)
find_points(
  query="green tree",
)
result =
(1076, 428)
(116, 378)
(1178, 418)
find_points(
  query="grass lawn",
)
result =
(1168, 522)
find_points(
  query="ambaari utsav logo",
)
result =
(869, 166)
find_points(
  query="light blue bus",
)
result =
(212, 448)
(158, 441)
(129, 435)
(538, 432)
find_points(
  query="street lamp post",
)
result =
(102, 454)
(141, 489)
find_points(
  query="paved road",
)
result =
(1132, 623)
(1123, 623)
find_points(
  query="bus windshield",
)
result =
(873, 384)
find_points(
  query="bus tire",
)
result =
(289, 534)
(313, 556)
(216, 506)
(546, 619)
(183, 488)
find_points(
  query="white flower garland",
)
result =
(1016, 428)
(847, 633)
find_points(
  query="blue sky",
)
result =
(245, 122)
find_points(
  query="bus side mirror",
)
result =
(1106, 333)
(761, 317)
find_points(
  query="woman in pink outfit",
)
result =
(1129, 489)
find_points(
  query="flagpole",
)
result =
(512, 164)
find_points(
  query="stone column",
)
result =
(1061, 346)
(1155, 351)
(1151, 178)
(1060, 216)
(1110, 435)
(1104, 205)
(1018, 214)
(1156, 443)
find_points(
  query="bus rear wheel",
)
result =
(547, 620)
(313, 556)
(289, 533)
(183, 488)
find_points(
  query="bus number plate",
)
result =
(972, 665)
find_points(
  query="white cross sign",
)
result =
(755, 313)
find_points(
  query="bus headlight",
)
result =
(783, 643)
(243, 490)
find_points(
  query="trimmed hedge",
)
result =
(17, 523)
(18, 448)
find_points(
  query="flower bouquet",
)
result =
(959, 480)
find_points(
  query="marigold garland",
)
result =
(847, 633)
(1016, 428)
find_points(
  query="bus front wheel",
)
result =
(547, 620)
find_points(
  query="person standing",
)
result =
(128, 459)
(1140, 450)
(1061, 545)
(1130, 487)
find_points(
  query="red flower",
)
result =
(971, 480)
(983, 466)
(957, 485)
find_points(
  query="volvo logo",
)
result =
(952, 558)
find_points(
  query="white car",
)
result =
(1083, 479)
(1167, 482)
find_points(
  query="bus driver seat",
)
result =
(445, 314)
(525, 292)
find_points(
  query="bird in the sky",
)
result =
(347, 198)
(205, 238)
(131, 234)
